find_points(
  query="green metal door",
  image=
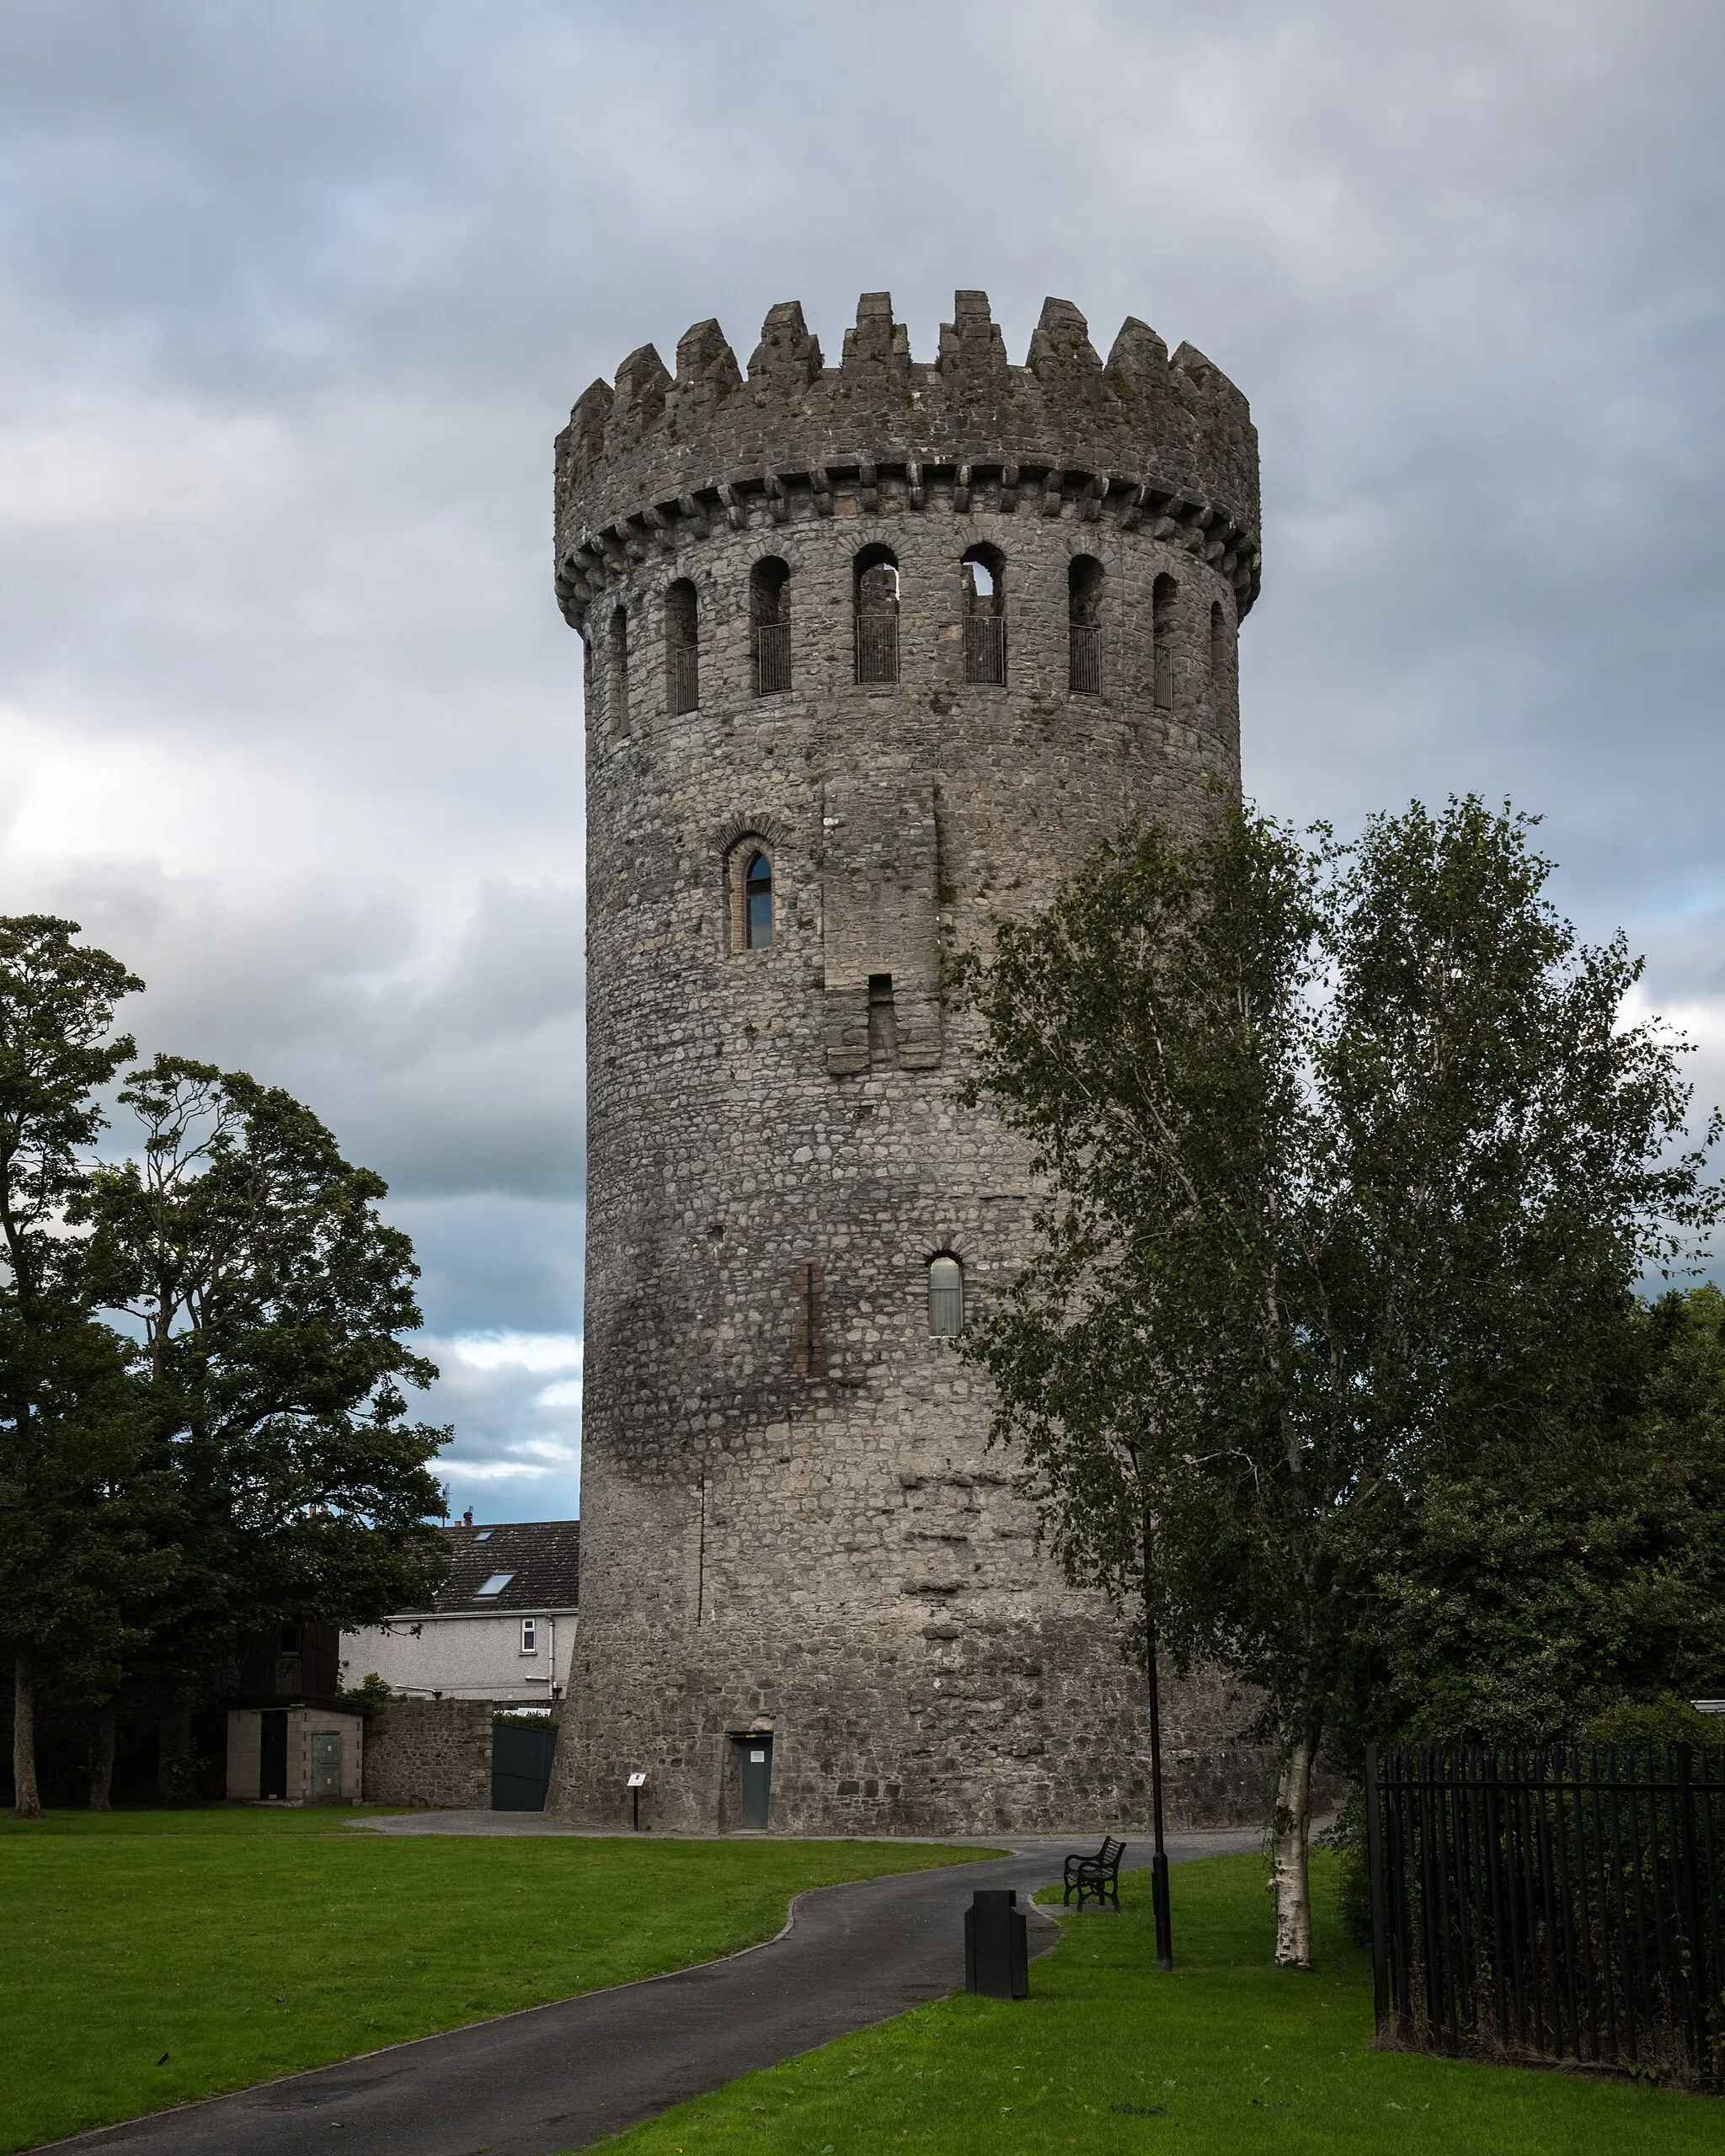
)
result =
(757, 1779)
(326, 1766)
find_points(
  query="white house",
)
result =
(503, 1626)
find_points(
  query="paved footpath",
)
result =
(561, 2077)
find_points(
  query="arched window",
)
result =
(984, 615)
(757, 900)
(682, 647)
(946, 1294)
(617, 672)
(1163, 595)
(1084, 583)
(770, 625)
(877, 608)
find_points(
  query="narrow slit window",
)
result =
(770, 625)
(757, 902)
(682, 647)
(946, 1294)
(530, 1635)
(616, 671)
(1162, 629)
(808, 1341)
(1084, 588)
(985, 569)
(877, 615)
(882, 1024)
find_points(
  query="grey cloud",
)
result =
(299, 297)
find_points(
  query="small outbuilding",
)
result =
(291, 1739)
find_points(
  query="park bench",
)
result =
(1098, 1875)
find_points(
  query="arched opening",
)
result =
(682, 647)
(1084, 588)
(946, 1294)
(876, 592)
(985, 570)
(617, 672)
(1162, 597)
(770, 625)
(757, 898)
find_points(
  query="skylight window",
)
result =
(497, 1582)
(483, 1535)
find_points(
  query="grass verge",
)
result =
(1228, 2054)
(155, 1956)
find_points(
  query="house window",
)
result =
(1084, 583)
(682, 649)
(946, 1294)
(530, 1635)
(495, 1585)
(757, 903)
(770, 625)
(877, 608)
(984, 615)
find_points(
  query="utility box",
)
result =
(996, 1946)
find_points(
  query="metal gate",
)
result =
(522, 1753)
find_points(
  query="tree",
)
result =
(1352, 1166)
(1553, 1585)
(69, 1423)
(270, 1300)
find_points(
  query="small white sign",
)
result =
(757, 1759)
(637, 1781)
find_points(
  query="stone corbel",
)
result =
(690, 508)
(913, 483)
(868, 488)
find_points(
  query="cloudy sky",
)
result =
(295, 294)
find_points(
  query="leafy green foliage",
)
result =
(269, 1299)
(1353, 1167)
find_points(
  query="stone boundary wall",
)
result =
(435, 1753)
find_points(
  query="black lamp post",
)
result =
(1158, 1861)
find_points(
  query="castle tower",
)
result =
(873, 652)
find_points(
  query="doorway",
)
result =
(326, 1766)
(272, 1753)
(757, 1779)
(522, 1754)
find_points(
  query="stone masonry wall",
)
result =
(429, 1752)
(791, 1519)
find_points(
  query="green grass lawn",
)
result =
(1227, 2054)
(153, 1956)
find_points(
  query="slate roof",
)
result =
(543, 1555)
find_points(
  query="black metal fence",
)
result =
(685, 678)
(1560, 1904)
(1084, 671)
(772, 658)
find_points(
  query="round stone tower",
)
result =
(873, 651)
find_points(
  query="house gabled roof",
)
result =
(541, 1557)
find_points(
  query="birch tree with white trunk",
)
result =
(1352, 1161)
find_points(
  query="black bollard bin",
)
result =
(996, 1946)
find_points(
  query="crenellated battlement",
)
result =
(1164, 443)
